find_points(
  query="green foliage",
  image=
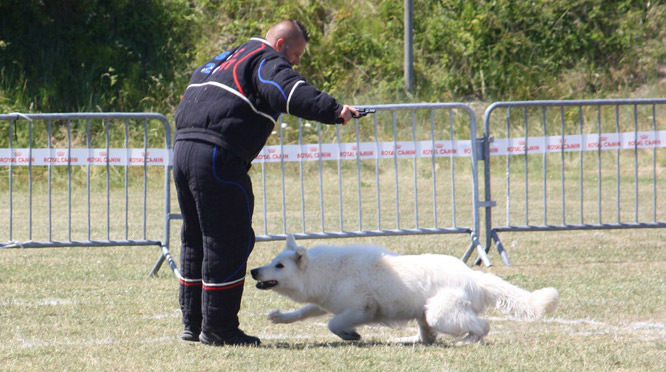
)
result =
(76, 55)
(93, 55)
(520, 49)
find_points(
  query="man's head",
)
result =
(289, 38)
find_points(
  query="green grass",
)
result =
(76, 309)
(95, 309)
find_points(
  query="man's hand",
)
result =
(353, 112)
(346, 114)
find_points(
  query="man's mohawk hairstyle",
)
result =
(302, 29)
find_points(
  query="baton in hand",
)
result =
(361, 113)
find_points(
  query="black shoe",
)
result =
(191, 333)
(235, 337)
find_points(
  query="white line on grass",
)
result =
(646, 330)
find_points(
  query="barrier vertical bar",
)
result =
(284, 211)
(321, 180)
(563, 189)
(599, 162)
(453, 173)
(416, 189)
(654, 166)
(127, 157)
(486, 182)
(11, 179)
(636, 163)
(50, 133)
(508, 171)
(339, 164)
(300, 173)
(617, 159)
(395, 167)
(480, 149)
(358, 177)
(29, 179)
(164, 247)
(145, 174)
(377, 152)
(545, 177)
(69, 179)
(263, 182)
(580, 164)
(433, 170)
(526, 186)
(88, 173)
(108, 182)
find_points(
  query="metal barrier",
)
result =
(606, 155)
(90, 155)
(392, 173)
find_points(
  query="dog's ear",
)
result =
(300, 256)
(299, 252)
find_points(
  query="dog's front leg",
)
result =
(344, 324)
(305, 312)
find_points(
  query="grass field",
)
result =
(94, 309)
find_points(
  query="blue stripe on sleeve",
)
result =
(270, 81)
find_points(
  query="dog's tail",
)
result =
(516, 301)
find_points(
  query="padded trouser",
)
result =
(216, 201)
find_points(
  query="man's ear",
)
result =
(279, 43)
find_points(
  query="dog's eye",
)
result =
(279, 266)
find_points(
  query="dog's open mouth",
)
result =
(267, 284)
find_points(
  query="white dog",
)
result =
(367, 284)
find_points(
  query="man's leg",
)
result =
(191, 255)
(227, 204)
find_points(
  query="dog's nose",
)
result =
(254, 273)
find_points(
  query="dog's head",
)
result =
(283, 273)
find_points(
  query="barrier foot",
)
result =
(166, 255)
(468, 253)
(483, 256)
(500, 248)
(157, 266)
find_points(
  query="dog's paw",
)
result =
(407, 340)
(471, 339)
(276, 316)
(351, 335)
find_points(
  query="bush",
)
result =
(76, 55)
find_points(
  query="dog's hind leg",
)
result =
(344, 324)
(427, 335)
(451, 312)
(307, 311)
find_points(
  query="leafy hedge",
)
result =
(72, 55)
(137, 55)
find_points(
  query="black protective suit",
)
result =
(224, 119)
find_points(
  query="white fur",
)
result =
(367, 284)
